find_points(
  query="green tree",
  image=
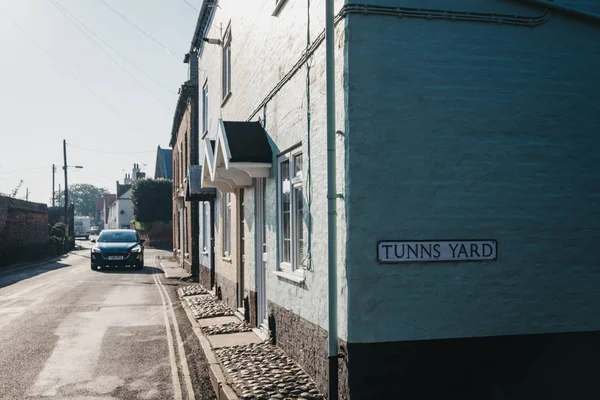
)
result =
(83, 196)
(152, 200)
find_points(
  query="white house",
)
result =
(467, 134)
(120, 212)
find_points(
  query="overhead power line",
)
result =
(190, 4)
(71, 19)
(70, 72)
(110, 151)
(115, 50)
(141, 30)
(24, 170)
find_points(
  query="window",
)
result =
(205, 229)
(227, 64)
(291, 211)
(205, 107)
(227, 225)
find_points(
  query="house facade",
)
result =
(184, 144)
(470, 123)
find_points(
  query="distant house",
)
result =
(164, 164)
(120, 212)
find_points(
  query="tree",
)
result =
(152, 200)
(83, 196)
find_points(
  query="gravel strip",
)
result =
(263, 372)
(230, 327)
(209, 308)
(191, 290)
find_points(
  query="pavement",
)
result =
(67, 332)
(171, 268)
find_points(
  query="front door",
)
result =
(261, 261)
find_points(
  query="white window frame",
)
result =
(295, 182)
(226, 66)
(205, 108)
(227, 206)
(203, 227)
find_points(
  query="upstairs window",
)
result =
(227, 64)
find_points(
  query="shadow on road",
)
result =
(129, 270)
(10, 277)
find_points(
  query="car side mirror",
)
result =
(142, 241)
(93, 240)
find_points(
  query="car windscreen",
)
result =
(118, 237)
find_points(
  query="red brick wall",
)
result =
(23, 230)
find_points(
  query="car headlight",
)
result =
(136, 249)
(95, 250)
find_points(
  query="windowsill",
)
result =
(228, 259)
(278, 7)
(297, 276)
(227, 96)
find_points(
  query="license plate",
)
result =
(115, 257)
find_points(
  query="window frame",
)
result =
(226, 66)
(205, 108)
(227, 216)
(296, 261)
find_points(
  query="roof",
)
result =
(204, 19)
(122, 189)
(194, 189)
(187, 91)
(99, 203)
(164, 163)
(247, 142)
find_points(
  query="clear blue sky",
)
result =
(41, 103)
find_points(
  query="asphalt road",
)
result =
(69, 332)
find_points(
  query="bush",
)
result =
(152, 200)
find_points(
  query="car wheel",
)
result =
(139, 266)
(94, 267)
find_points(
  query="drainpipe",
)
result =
(331, 202)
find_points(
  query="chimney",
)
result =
(135, 172)
(192, 60)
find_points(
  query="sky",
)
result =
(56, 84)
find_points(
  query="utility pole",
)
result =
(26, 194)
(66, 187)
(53, 192)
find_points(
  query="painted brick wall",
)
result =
(472, 130)
(264, 49)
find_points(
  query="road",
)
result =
(69, 332)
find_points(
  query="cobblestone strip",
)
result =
(191, 290)
(264, 372)
(230, 327)
(198, 300)
(208, 308)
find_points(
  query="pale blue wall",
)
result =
(470, 130)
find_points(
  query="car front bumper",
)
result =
(102, 259)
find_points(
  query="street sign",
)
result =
(400, 251)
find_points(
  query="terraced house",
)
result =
(466, 133)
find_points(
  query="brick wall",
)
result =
(307, 343)
(464, 130)
(23, 230)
